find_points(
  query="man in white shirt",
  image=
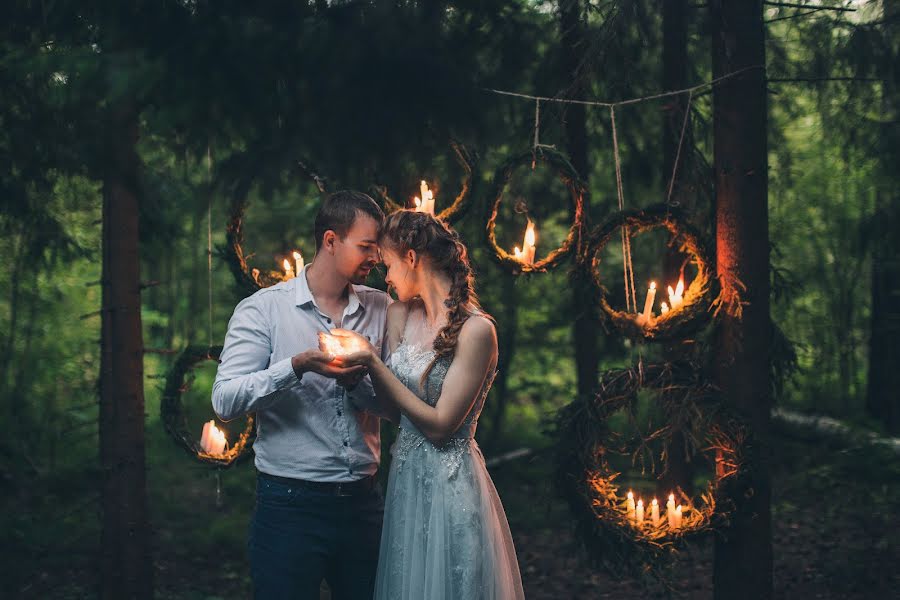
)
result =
(318, 509)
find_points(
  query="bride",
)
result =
(445, 533)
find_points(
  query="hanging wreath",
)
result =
(175, 422)
(612, 537)
(468, 160)
(577, 189)
(694, 307)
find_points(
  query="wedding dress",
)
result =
(445, 534)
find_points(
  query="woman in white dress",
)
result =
(445, 534)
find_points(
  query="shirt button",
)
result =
(346, 444)
(327, 319)
(340, 413)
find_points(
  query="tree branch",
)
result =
(794, 5)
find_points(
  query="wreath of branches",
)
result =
(468, 160)
(179, 381)
(678, 322)
(588, 482)
(577, 190)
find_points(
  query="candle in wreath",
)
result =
(648, 303)
(654, 512)
(288, 269)
(426, 202)
(212, 441)
(629, 506)
(640, 512)
(670, 511)
(678, 517)
(526, 254)
(676, 296)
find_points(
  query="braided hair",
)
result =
(406, 230)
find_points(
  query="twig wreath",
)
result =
(175, 422)
(468, 160)
(577, 189)
(694, 310)
(588, 482)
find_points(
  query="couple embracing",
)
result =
(428, 363)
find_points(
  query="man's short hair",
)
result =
(339, 211)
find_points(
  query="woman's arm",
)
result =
(476, 353)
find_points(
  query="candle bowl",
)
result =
(175, 421)
(577, 190)
(587, 480)
(339, 346)
(679, 322)
(468, 160)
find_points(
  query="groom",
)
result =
(318, 509)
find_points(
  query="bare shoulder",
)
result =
(478, 329)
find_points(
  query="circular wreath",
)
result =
(588, 482)
(468, 160)
(175, 421)
(680, 321)
(577, 189)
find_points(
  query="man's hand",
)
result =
(317, 361)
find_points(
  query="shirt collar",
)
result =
(304, 295)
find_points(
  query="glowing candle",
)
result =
(678, 517)
(676, 296)
(298, 262)
(670, 511)
(629, 506)
(339, 346)
(663, 308)
(204, 438)
(654, 512)
(640, 512)
(648, 303)
(530, 239)
(426, 202)
(288, 269)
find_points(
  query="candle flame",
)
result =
(679, 289)
(664, 307)
(287, 265)
(652, 285)
(630, 496)
(297, 255)
(672, 497)
(654, 502)
(529, 234)
(641, 503)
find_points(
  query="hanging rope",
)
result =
(695, 88)
(630, 294)
(687, 113)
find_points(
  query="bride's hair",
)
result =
(406, 230)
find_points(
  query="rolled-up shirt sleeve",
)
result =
(245, 381)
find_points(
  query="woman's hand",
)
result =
(362, 353)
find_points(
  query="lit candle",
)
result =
(648, 303)
(640, 512)
(670, 511)
(426, 202)
(629, 506)
(678, 517)
(654, 512)
(530, 239)
(676, 296)
(663, 307)
(298, 261)
(288, 269)
(204, 439)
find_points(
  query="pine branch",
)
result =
(794, 5)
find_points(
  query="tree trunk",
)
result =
(742, 565)
(883, 390)
(585, 328)
(126, 565)
(679, 472)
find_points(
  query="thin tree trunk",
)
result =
(742, 567)
(679, 472)
(126, 565)
(585, 329)
(883, 389)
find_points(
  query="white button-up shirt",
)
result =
(309, 428)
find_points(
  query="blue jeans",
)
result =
(299, 537)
